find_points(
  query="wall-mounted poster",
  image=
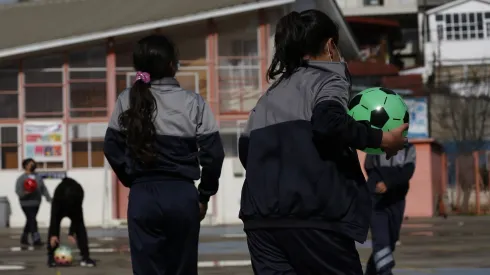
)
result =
(419, 117)
(44, 141)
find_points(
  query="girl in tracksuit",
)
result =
(158, 137)
(305, 200)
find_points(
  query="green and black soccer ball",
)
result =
(382, 108)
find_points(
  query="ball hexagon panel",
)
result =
(379, 117)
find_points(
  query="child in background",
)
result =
(30, 201)
(67, 202)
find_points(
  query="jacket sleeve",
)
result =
(44, 189)
(211, 153)
(244, 139)
(19, 187)
(406, 171)
(114, 146)
(331, 122)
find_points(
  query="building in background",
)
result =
(389, 30)
(63, 65)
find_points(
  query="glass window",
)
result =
(448, 19)
(9, 147)
(43, 102)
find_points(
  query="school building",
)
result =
(63, 63)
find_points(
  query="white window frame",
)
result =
(89, 140)
(446, 32)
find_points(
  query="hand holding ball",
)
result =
(382, 109)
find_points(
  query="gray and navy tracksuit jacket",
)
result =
(298, 150)
(395, 173)
(34, 198)
(187, 137)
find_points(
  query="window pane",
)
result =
(464, 35)
(9, 135)
(47, 100)
(9, 106)
(35, 77)
(53, 61)
(456, 18)
(463, 18)
(79, 154)
(10, 157)
(479, 17)
(448, 18)
(54, 165)
(8, 79)
(89, 57)
(472, 17)
(480, 34)
(97, 153)
(88, 75)
(456, 36)
(487, 14)
(439, 17)
(91, 97)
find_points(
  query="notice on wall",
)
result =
(43, 141)
(419, 117)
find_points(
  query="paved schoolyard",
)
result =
(459, 245)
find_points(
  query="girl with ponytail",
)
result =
(158, 137)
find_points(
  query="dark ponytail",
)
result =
(156, 56)
(298, 35)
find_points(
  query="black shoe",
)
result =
(87, 263)
(51, 262)
(24, 240)
(38, 243)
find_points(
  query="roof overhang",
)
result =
(126, 30)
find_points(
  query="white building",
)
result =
(458, 33)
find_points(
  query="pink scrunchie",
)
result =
(145, 77)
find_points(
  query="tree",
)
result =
(460, 111)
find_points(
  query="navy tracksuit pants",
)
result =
(163, 225)
(385, 231)
(302, 251)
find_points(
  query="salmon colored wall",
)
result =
(426, 178)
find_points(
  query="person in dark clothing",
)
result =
(305, 200)
(67, 202)
(30, 201)
(158, 136)
(389, 183)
